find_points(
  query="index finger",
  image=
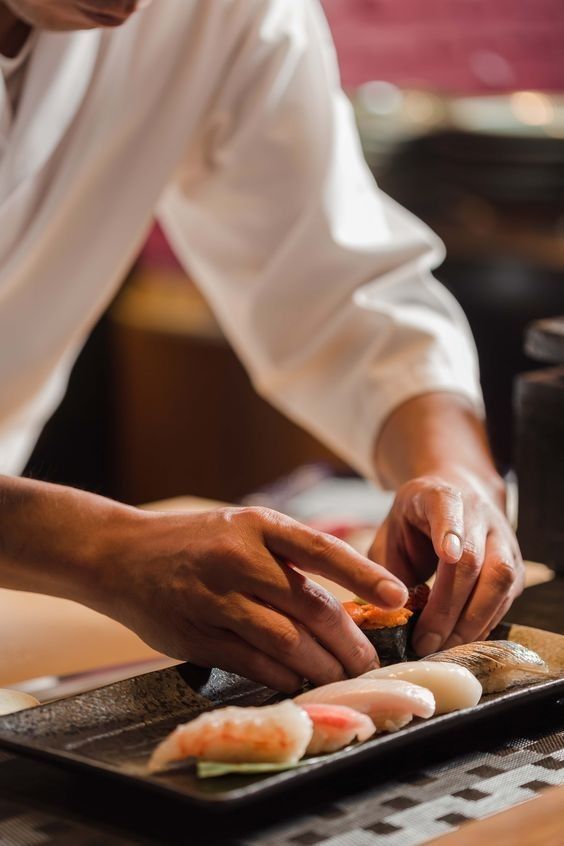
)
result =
(317, 552)
(309, 603)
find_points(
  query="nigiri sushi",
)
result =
(335, 726)
(390, 703)
(15, 700)
(497, 664)
(272, 733)
(454, 687)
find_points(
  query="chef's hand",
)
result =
(451, 526)
(214, 589)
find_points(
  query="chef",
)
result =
(225, 119)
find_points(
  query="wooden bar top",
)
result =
(539, 822)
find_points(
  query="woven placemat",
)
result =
(419, 805)
(429, 802)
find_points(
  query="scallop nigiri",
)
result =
(268, 734)
(497, 664)
(390, 703)
(454, 687)
(15, 700)
(335, 726)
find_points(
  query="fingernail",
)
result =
(452, 545)
(393, 594)
(375, 665)
(428, 644)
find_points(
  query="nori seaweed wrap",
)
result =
(390, 631)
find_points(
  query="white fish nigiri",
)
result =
(454, 687)
(390, 703)
(335, 726)
(270, 734)
(15, 700)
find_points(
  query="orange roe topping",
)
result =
(372, 617)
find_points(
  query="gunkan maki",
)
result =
(389, 631)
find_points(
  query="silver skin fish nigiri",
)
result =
(497, 664)
(453, 686)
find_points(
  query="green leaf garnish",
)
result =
(213, 769)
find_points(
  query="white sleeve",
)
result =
(321, 283)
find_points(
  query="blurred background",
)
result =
(461, 114)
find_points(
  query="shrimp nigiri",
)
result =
(270, 734)
(390, 703)
(335, 726)
(453, 686)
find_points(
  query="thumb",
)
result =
(444, 512)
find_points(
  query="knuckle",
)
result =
(502, 573)
(442, 490)
(257, 514)
(470, 562)
(266, 515)
(321, 605)
(441, 612)
(230, 515)
(410, 489)
(287, 640)
(253, 514)
(519, 585)
(324, 546)
(361, 653)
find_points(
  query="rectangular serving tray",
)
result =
(113, 730)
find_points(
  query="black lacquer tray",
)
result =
(113, 730)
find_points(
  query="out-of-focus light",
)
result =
(380, 98)
(491, 69)
(532, 108)
(422, 108)
(555, 131)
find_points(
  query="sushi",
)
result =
(497, 664)
(453, 686)
(386, 630)
(390, 703)
(418, 597)
(335, 726)
(389, 631)
(277, 733)
(15, 700)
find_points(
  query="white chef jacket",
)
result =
(225, 117)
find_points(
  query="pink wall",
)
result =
(453, 45)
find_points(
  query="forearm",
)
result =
(54, 539)
(436, 434)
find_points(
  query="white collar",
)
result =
(58, 76)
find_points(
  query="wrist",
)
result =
(437, 435)
(111, 565)
(54, 540)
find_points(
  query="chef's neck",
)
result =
(13, 32)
